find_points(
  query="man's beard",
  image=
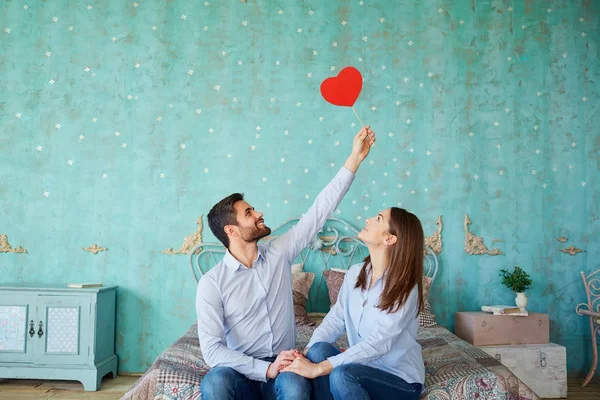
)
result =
(255, 234)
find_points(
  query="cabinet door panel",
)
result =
(15, 318)
(65, 325)
(62, 330)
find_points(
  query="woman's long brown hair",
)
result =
(404, 260)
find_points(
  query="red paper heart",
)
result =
(344, 89)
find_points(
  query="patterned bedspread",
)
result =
(454, 369)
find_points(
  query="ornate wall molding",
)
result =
(5, 247)
(474, 244)
(95, 249)
(572, 250)
(435, 241)
(562, 239)
(189, 241)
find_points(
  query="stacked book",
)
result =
(84, 285)
(505, 310)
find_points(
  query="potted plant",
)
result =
(518, 281)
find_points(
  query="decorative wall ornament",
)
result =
(474, 244)
(435, 241)
(562, 239)
(572, 250)
(95, 249)
(5, 247)
(189, 241)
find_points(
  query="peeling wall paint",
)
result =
(120, 123)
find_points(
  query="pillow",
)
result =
(334, 279)
(426, 318)
(301, 283)
(297, 268)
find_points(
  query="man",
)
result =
(244, 305)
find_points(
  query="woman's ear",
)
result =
(390, 240)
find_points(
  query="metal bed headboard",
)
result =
(336, 245)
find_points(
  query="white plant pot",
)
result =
(521, 301)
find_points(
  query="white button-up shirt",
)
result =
(376, 338)
(245, 314)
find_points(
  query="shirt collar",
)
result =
(234, 265)
(369, 270)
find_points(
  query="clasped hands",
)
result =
(293, 361)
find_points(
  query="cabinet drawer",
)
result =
(484, 329)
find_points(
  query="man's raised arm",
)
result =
(299, 236)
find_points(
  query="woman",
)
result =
(378, 308)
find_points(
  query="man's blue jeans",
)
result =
(224, 383)
(357, 381)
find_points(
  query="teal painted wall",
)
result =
(450, 67)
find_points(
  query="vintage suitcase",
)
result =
(485, 329)
(542, 367)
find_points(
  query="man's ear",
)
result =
(230, 230)
(390, 240)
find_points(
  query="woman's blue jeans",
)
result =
(358, 381)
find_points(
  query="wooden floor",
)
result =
(113, 389)
(591, 391)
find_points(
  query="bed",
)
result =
(454, 369)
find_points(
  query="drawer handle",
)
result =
(540, 322)
(483, 324)
(542, 359)
(40, 330)
(31, 329)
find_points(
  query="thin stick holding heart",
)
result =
(363, 125)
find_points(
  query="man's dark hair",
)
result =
(223, 214)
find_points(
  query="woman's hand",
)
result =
(283, 360)
(303, 367)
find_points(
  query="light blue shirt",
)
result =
(245, 314)
(376, 338)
